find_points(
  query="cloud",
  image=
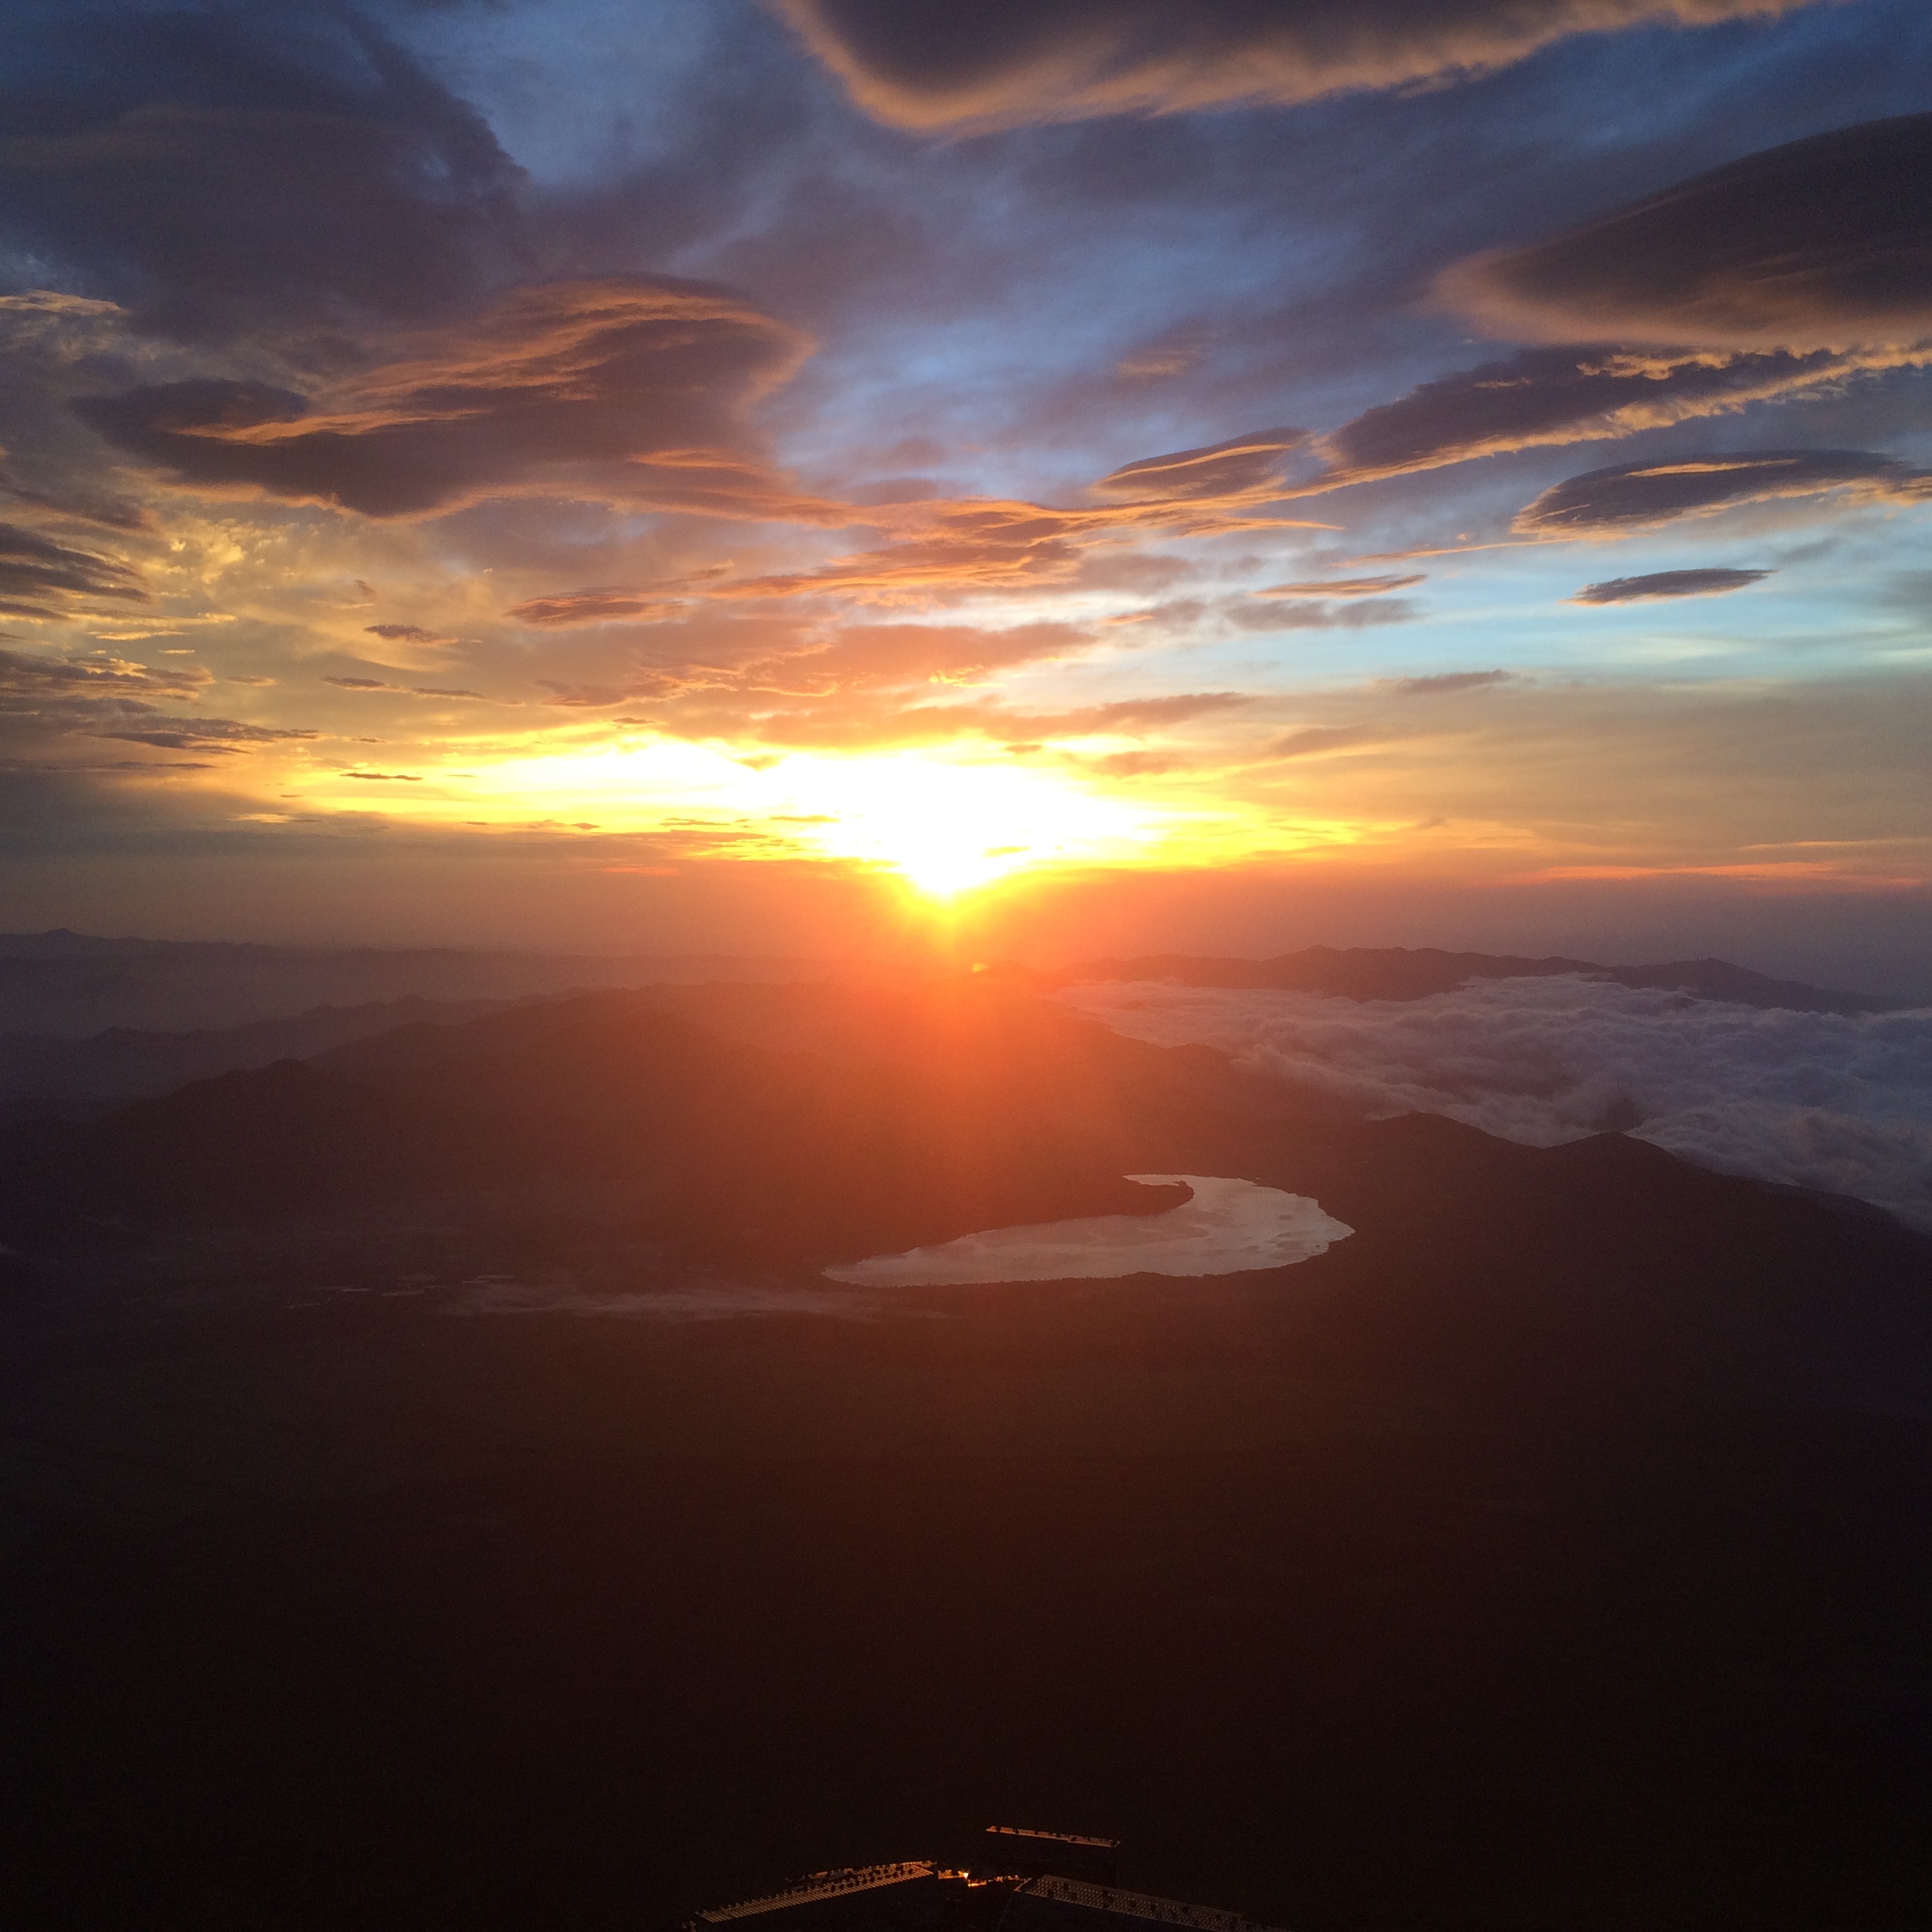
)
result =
(863, 721)
(1346, 614)
(406, 633)
(1318, 738)
(1006, 62)
(1824, 243)
(1341, 587)
(1240, 468)
(1130, 764)
(586, 697)
(1677, 583)
(1172, 352)
(95, 674)
(83, 505)
(564, 608)
(957, 547)
(628, 388)
(1445, 684)
(1128, 717)
(1819, 1100)
(981, 544)
(98, 695)
(193, 734)
(405, 691)
(1541, 397)
(711, 678)
(1607, 502)
(220, 167)
(40, 578)
(862, 657)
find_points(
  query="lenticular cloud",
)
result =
(1819, 1100)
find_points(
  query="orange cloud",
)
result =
(1244, 469)
(983, 544)
(862, 657)
(862, 721)
(1007, 62)
(629, 389)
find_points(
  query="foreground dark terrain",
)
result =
(1550, 1552)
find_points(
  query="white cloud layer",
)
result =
(1819, 1100)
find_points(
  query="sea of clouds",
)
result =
(1819, 1100)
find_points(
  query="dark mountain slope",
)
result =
(1549, 1553)
(1718, 979)
(1605, 1267)
(798, 1125)
(125, 1063)
(69, 986)
(608, 1109)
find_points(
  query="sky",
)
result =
(1063, 476)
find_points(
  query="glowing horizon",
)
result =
(926, 489)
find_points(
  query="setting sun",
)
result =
(945, 827)
(948, 828)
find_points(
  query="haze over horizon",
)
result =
(697, 475)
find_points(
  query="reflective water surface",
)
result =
(1228, 1227)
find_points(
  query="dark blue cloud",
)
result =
(1823, 242)
(218, 167)
(1632, 496)
(1707, 582)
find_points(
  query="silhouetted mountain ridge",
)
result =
(70, 985)
(784, 1127)
(604, 1107)
(128, 1063)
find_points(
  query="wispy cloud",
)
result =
(1065, 60)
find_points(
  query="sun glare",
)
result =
(946, 829)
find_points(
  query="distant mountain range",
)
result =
(68, 985)
(1405, 973)
(125, 1063)
(89, 1023)
(781, 1127)
(970, 1110)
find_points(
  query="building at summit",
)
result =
(1022, 1881)
(1055, 1904)
(1040, 1854)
